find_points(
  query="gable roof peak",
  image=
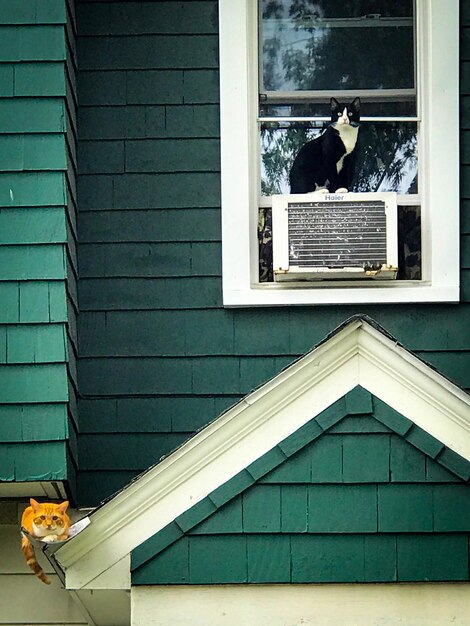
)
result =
(358, 353)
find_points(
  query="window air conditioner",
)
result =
(319, 236)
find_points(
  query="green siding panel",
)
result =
(57, 302)
(32, 262)
(406, 463)
(32, 115)
(36, 344)
(39, 79)
(7, 80)
(262, 509)
(33, 302)
(38, 301)
(32, 152)
(126, 376)
(366, 458)
(268, 559)
(132, 452)
(159, 225)
(32, 189)
(33, 383)
(171, 566)
(294, 509)
(218, 559)
(380, 558)
(172, 293)
(326, 457)
(148, 52)
(32, 12)
(405, 508)
(9, 302)
(171, 18)
(342, 509)
(33, 422)
(258, 333)
(38, 225)
(31, 43)
(451, 508)
(327, 559)
(432, 558)
(24, 462)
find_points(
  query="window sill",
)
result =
(393, 292)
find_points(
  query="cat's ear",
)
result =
(35, 505)
(334, 104)
(63, 506)
(356, 104)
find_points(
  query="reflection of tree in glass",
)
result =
(303, 51)
(386, 156)
(279, 147)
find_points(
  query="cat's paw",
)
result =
(342, 190)
(49, 538)
(323, 190)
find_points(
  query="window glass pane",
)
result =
(320, 44)
(386, 159)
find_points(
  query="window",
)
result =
(280, 63)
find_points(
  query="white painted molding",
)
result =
(356, 354)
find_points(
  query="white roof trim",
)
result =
(357, 354)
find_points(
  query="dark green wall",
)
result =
(159, 356)
(359, 494)
(36, 320)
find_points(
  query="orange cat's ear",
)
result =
(36, 506)
(63, 506)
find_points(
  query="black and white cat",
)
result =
(327, 162)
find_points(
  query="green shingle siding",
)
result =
(33, 196)
(165, 18)
(44, 115)
(43, 461)
(151, 108)
(282, 522)
(32, 12)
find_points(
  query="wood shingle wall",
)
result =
(159, 355)
(358, 494)
(34, 261)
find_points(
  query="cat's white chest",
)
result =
(348, 136)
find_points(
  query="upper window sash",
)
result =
(438, 70)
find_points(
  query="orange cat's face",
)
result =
(45, 519)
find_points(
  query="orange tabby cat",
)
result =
(48, 522)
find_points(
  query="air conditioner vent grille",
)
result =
(343, 234)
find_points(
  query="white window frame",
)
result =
(438, 71)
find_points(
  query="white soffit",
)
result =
(358, 353)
